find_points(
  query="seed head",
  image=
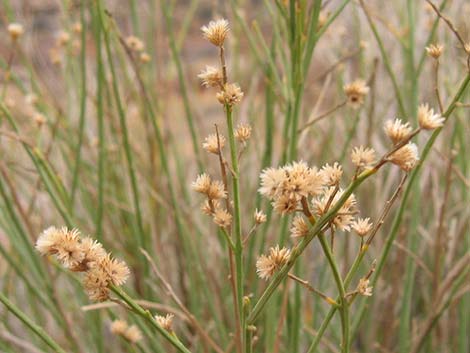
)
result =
(145, 58)
(286, 204)
(211, 77)
(363, 287)
(133, 334)
(356, 92)
(267, 265)
(63, 38)
(259, 217)
(435, 50)
(222, 218)
(271, 182)
(202, 183)
(165, 322)
(299, 227)
(406, 157)
(15, 30)
(118, 327)
(135, 44)
(363, 157)
(216, 32)
(77, 28)
(216, 190)
(427, 119)
(362, 226)
(211, 143)
(344, 216)
(332, 173)
(230, 95)
(396, 130)
(243, 133)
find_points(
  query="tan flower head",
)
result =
(361, 226)
(211, 143)
(356, 92)
(302, 180)
(135, 44)
(63, 243)
(286, 204)
(222, 218)
(271, 181)
(132, 334)
(95, 283)
(332, 174)
(165, 322)
(208, 207)
(363, 157)
(116, 270)
(15, 30)
(427, 119)
(299, 227)
(118, 327)
(77, 28)
(216, 190)
(145, 58)
(363, 287)
(93, 252)
(435, 50)
(230, 95)
(267, 265)
(259, 217)
(396, 130)
(406, 157)
(216, 32)
(243, 133)
(344, 216)
(202, 183)
(63, 38)
(211, 77)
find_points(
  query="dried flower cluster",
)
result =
(356, 93)
(131, 333)
(84, 255)
(267, 265)
(15, 30)
(166, 322)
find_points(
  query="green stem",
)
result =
(146, 315)
(32, 326)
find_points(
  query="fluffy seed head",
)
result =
(406, 157)
(135, 44)
(243, 133)
(363, 287)
(145, 58)
(165, 322)
(118, 327)
(271, 181)
(132, 334)
(356, 93)
(267, 265)
(216, 32)
(259, 217)
(202, 183)
(344, 216)
(435, 50)
(361, 226)
(299, 227)
(63, 38)
(230, 95)
(15, 30)
(222, 218)
(211, 77)
(216, 190)
(427, 119)
(332, 173)
(396, 130)
(211, 143)
(116, 270)
(63, 243)
(363, 157)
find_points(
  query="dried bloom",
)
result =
(116, 270)
(396, 130)
(63, 243)
(406, 157)
(144, 58)
(132, 334)
(363, 157)
(208, 207)
(202, 183)
(299, 227)
(332, 173)
(260, 217)
(361, 226)
(243, 133)
(31, 99)
(267, 265)
(211, 77)
(63, 38)
(345, 215)
(230, 95)
(285, 204)
(93, 252)
(302, 181)
(96, 284)
(15, 30)
(55, 55)
(49, 239)
(427, 119)
(435, 50)
(356, 92)
(135, 43)
(216, 190)
(77, 28)
(165, 321)
(118, 327)
(39, 118)
(363, 287)
(216, 32)
(222, 218)
(271, 181)
(211, 143)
